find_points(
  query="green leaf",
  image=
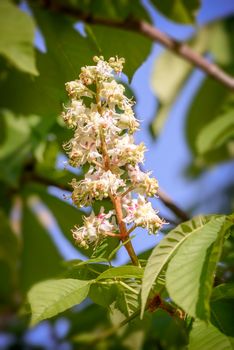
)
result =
(51, 297)
(66, 215)
(116, 10)
(211, 96)
(103, 294)
(190, 273)
(128, 301)
(17, 37)
(122, 272)
(67, 51)
(40, 257)
(223, 291)
(217, 133)
(166, 87)
(206, 336)
(164, 251)
(222, 315)
(107, 245)
(178, 10)
(83, 272)
(90, 261)
(22, 136)
(167, 330)
(132, 46)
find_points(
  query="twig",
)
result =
(172, 206)
(148, 30)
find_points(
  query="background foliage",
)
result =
(181, 267)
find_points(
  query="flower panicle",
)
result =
(103, 121)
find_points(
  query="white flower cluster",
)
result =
(103, 121)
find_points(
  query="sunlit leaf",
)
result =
(206, 336)
(17, 37)
(22, 137)
(167, 86)
(217, 133)
(190, 273)
(51, 297)
(128, 300)
(67, 51)
(122, 272)
(165, 250)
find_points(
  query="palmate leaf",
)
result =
(206, 336)
(51, 297)
(190, 273)
(164, 251)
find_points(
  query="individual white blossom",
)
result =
(125, 151)
(94, 228)
(103, 120)
(141, 213)
(97, 184)
(76, 89)
(142, 182)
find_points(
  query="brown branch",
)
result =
(168, 202)
(149, 31)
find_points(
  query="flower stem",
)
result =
(116, 200)
(123, 230)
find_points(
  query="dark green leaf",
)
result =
(178, 10)
(132, 46)
(66, 215)
(103, 294)
(223, 291)
(9, 244)
(222, 315)
(40, 257)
